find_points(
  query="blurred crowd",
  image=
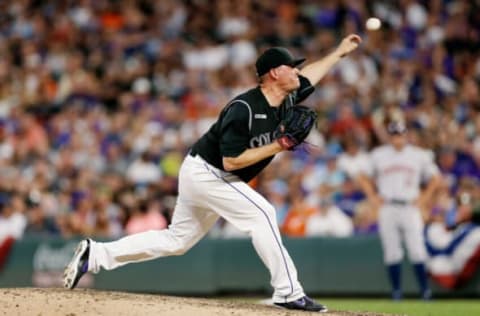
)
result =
(101, 99)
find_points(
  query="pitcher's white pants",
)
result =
(205, 193)
(397, 224)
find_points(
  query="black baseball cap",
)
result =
(274, 57)
(396, 127)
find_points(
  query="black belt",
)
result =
(398, 202)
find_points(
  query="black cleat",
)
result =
(78, 266)
(305, 304)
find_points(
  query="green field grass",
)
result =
(409, 307)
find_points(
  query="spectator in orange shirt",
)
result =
(297, 216)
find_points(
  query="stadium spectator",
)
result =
(295, 223)
(145, 216)
(365, 219)
(12, 218)
(329, 221)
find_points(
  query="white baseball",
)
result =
(373, 24)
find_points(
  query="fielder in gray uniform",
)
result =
(213, 176)
(393, 185)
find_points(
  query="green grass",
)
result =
(408, 307)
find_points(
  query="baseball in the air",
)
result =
(373, 24)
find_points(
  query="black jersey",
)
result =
(247, 121)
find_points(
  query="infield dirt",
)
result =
(83, 302)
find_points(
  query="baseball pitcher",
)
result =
(213, 178)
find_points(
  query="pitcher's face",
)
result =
(288, 78)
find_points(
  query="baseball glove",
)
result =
(295, 126)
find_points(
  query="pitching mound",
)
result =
(82, 302)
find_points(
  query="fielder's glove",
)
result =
(295, 126)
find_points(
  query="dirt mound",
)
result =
(82, 302)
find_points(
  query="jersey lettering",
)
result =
(260, 140)
(398, 168)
